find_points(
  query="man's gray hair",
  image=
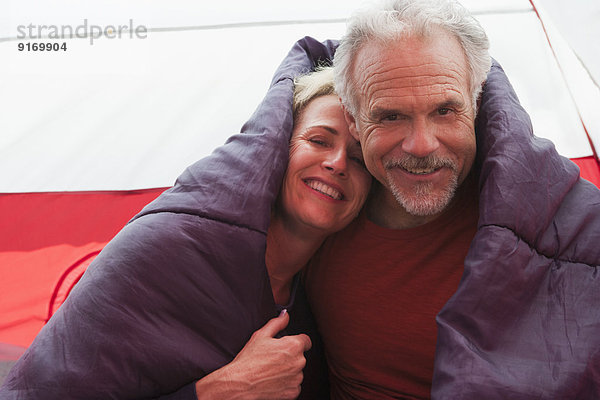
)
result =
(390, 20)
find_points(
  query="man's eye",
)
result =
(444, 111)
(391, 117)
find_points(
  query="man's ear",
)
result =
(351, 123)
(478, 102)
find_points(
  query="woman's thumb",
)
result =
(275, 325)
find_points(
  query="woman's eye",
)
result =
(358, 160)
(317, 141)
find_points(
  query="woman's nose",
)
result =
(336, 162)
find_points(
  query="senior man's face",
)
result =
(415, 120)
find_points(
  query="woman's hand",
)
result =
(266, 368)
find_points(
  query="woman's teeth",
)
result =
(324, 188)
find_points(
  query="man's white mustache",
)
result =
(411, 163)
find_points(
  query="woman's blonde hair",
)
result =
(312, 85)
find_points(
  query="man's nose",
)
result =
(421, 140)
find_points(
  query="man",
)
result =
(504, 250)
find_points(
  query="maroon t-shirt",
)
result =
(375, 293)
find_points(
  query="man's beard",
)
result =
(423, 199)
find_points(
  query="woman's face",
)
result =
(326, 182)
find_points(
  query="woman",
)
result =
(180, 290)
(323, 190)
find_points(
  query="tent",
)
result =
(94, 129)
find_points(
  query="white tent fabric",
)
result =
(577, 22)
(572, 32)
(132, 113)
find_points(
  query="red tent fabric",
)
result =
(47, 240)
(590, 169)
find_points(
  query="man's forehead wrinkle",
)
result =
(385, 100)
(369, 72)
(422, 80)
(375, 73)
(416, 86)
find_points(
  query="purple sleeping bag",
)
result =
(525, 320)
